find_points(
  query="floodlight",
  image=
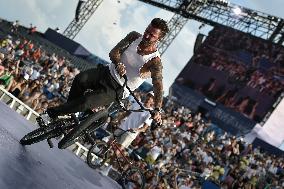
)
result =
(237, 10)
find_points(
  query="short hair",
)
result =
(160, 24)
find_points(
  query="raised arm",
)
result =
(116, 52)
(157, 80)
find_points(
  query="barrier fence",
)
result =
(31, 115)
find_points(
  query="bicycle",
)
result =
(72, 127)
(103, 114)
(60, 127)
(102, 151)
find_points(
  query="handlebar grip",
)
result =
(152, 112)
(155, 125)
(125, 77)
(158, 123)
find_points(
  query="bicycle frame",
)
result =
(114, 145)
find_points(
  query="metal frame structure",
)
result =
(210, 12)
(175, 25)
(87, 10)
(220, 12)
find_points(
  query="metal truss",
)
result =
(87, 10)
(210, 12)
(220, 12)
(175, 24)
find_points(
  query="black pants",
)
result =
(104, 90)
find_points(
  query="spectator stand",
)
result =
(38, 40)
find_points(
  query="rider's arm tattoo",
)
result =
(117, 51)
(157, 81)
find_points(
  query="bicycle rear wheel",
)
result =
(77, 131)
(98, 154)
(133, 177)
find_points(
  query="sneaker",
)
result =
(46, 118)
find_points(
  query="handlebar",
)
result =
(142, 108)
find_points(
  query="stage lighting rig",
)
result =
(209, 12)
(219, 2)
(237, 11)
(223, 12)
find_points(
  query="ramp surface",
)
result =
(37, 166)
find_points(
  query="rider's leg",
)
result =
(88, 79)
(96, 79)
(85, 102)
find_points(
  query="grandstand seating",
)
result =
(49, 47)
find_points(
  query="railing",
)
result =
(79, 150)
(20, 107)
(31, 115)
(17, 105)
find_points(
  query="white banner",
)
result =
(272, 131)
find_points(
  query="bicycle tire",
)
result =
(104, 156)
(38, 135)
(131, 171)
(97, 125)
(77, 131)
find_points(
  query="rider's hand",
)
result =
(120, 68)
(157, 117)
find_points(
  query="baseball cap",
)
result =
(151, 93)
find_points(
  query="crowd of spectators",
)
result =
(187, 150)
(249, 62)
(182, 153)
(31, 74)
(268, 81)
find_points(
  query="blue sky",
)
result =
(100, 34)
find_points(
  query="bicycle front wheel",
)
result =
(133, 177)
(38, 135)
(77, 131)
(98, 154)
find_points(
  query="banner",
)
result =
(272, 131)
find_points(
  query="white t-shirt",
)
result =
(35, 75)
(186, 135)
(207, 159)
(155, 152)
(273, 169)
(250, 172)
(136, 119)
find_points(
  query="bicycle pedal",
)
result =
(39, 119)
(64, 117)
(40, 122)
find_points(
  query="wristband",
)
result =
(160, 110)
